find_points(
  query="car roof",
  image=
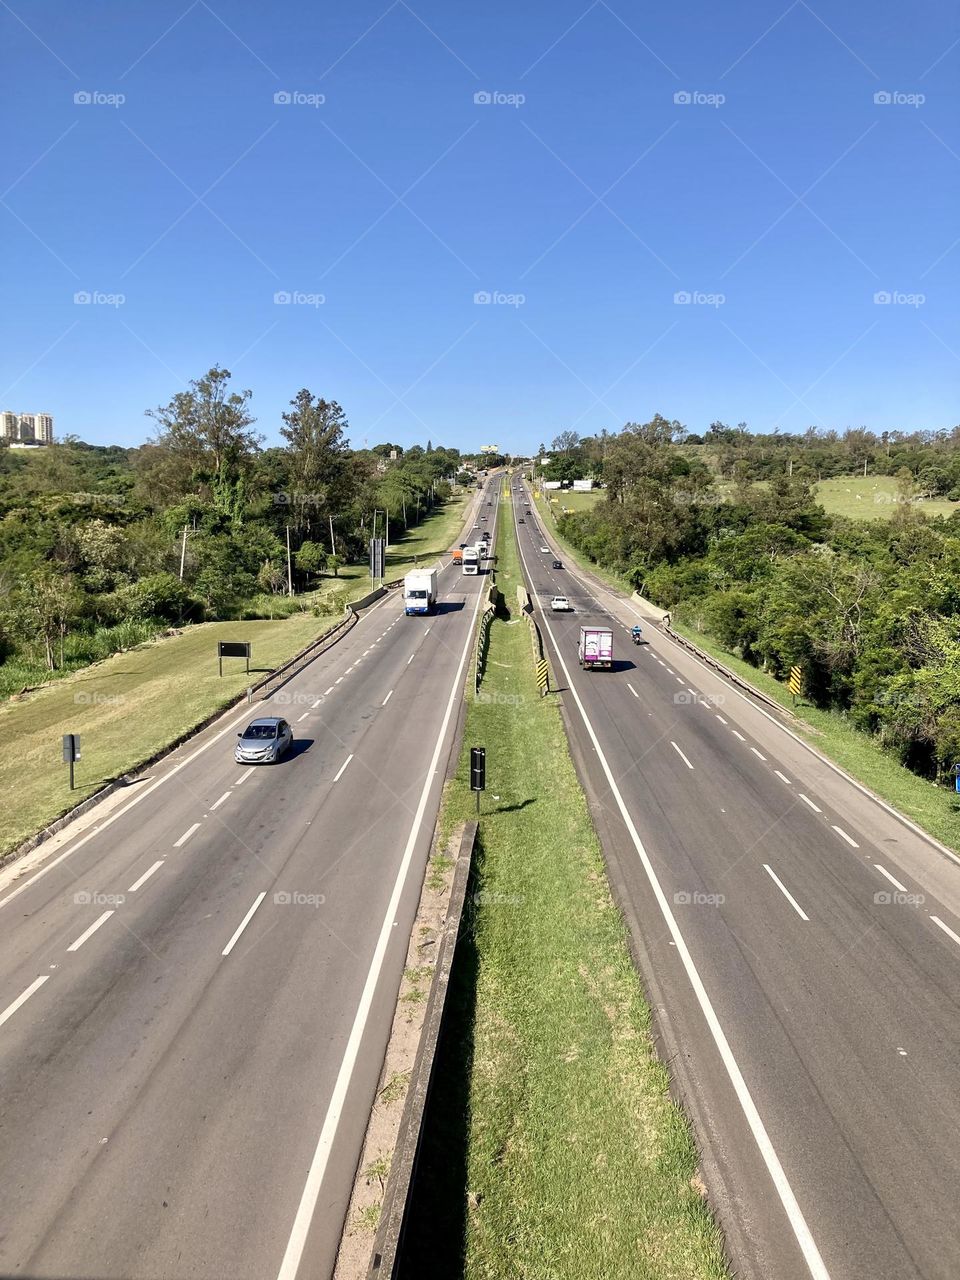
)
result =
(271, 720)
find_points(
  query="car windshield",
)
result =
(260, 731)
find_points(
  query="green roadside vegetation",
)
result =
(932, 807)
(552, 1148)
(126, 709)
(421, 544)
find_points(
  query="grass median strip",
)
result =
(552, 1148)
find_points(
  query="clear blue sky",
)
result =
(597, 198)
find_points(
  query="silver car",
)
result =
(263, 741)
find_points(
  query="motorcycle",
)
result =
(637, 635)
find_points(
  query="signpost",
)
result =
(71, 751)
(233, 649)
(376, 559)
(478, 772)
(795, 683)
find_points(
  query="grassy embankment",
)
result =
(872, 498)
(553, 1150)
(131, 705)
(126, 708)
(934, 808)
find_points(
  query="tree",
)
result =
(566, 441)
(315, 431)
(41, 609)
(208, 424)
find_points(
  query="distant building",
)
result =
(489, 448)
(26, 428)
(583, 486)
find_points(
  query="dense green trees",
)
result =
(101, 546)
(871, 610)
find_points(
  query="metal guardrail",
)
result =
(723, 670)
(389, 1239)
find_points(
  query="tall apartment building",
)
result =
(30, 428)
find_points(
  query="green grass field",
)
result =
(567, 499)
(872, 498)
(553, 1150)
(126, 709)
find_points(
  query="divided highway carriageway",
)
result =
(195, 995)
(800, 945)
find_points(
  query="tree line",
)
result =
(99, 547)
(726, 532)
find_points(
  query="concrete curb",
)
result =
(389, 1238)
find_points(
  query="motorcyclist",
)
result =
(637, 633)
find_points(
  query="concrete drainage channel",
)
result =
(373, 1231)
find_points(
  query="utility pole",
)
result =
(386, 540)
(183, 551)
(289, 570)
(333, 545)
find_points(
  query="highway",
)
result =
(196, 992)
(800, 945)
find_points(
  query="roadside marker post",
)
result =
(71, 751)
(478, 772)
(543, 676)
(795, 683)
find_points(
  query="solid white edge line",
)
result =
(243, 924)
(340, 772)
(681, 755)
(145, 877)
(786, 892)
(893, 880)
(22, 998)
(217, 803)
(78, 942)
(806, 800)
(178, 844)
(311, 1191)
(798, 1224)
(843, 836)
(387, 698)
(946, 929)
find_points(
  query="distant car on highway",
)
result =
(557, 564)
(520, 520)
(545, 550)
(263, 741)
(560, 604)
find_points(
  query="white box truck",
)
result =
(595, 648)
(420, 591)
(471, 560)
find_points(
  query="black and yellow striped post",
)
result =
(543, 677)
(795, 683)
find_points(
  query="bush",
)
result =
(162, 596)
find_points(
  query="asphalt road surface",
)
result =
(196, 993)
(800, 944)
